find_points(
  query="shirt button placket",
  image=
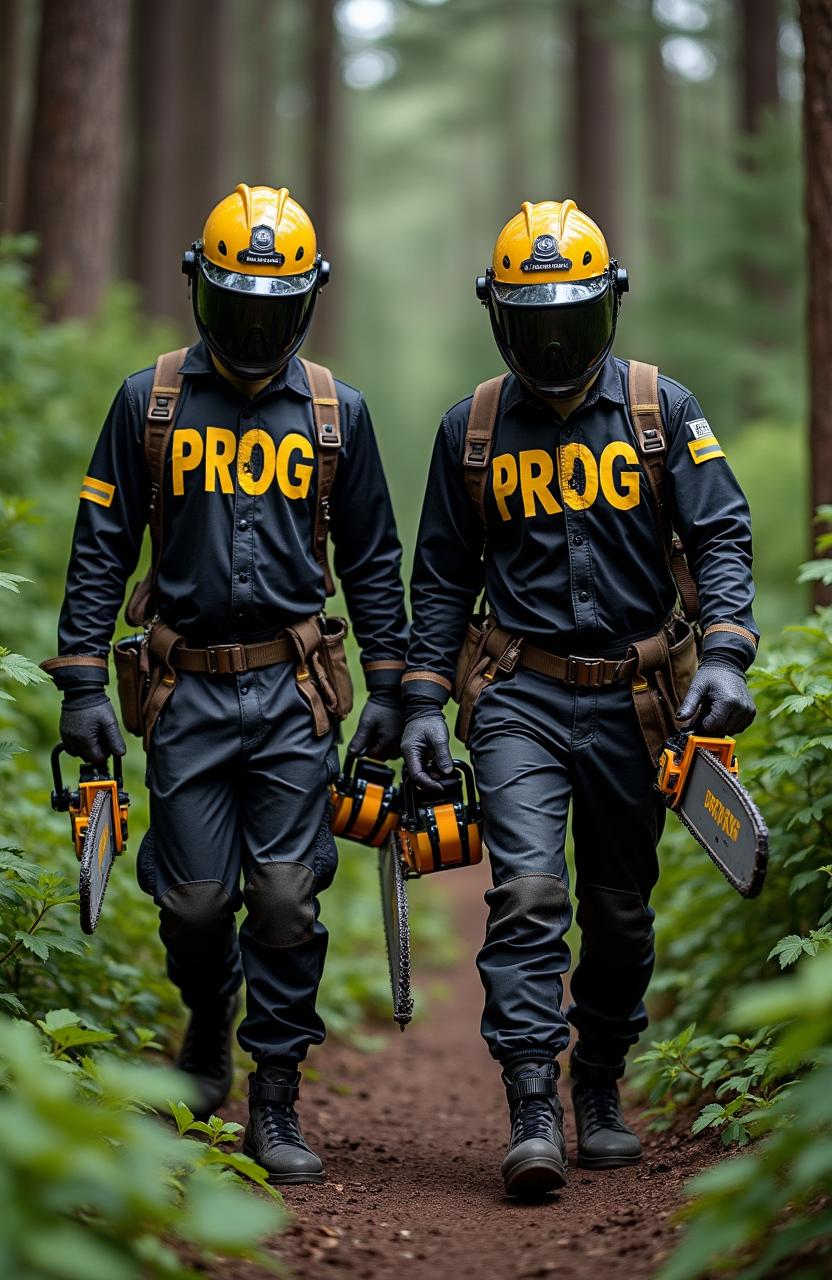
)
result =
(242, 586)
(577, 541)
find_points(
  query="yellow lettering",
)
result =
(220, 446)
(294, 484)
(537, 471)
(245, 471)
(504, 470)
(185, 438)
(627, 495)
(568, 456)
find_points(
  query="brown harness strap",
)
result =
(161, 413)
(479, 436)
(651, 442)
(158, 425)
(325, 411)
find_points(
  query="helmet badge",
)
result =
(546, 256)
(261, 248)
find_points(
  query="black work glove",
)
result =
(426, 745)
(718, 702)
(379, 732)
(89, 728)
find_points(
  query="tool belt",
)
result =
(659, 670)
(147, 667)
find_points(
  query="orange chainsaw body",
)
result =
(674, 764)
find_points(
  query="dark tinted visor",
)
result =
(252, 322)
(554, 332)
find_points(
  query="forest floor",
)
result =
(413, 1137)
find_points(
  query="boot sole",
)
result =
(607, 1162)
(288, 1179)
(535, 1177)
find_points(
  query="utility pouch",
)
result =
(137, 608)
(332, 660)
(162, 641)
(131, 682)
(653, 694)
(488, 649)
(683, 655)
(312, 681)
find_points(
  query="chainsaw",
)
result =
(97, 810)
(699, 781)
(435, 834)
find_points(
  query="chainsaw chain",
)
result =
(397, 934)
(746, 890)
(88, 924)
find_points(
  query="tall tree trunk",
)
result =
(261, 117)
(157, 239)
(816, 21)
(595, 165)
(513, 131)
(74, 161)
(323, 152)
(759, 21)
(207, 171)
(11, 14)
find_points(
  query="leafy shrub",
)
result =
(767, 1054)
(771, 1206)
(95, 1190)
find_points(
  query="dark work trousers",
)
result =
(238, 792)
(536, 743)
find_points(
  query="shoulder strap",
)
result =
(479, 436)
(325, 411)
(651, 443)
(161, 414)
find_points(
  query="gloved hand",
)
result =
(379, 732)
(718, 702)
(89, 728)
(426, 745)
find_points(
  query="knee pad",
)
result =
(196, 916)
(615, 924)
(536, 900)
(279, 897)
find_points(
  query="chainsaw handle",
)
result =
(60, 794)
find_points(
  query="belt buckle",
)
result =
(586, 673)
(225, 659)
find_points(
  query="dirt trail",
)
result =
(413, 1137)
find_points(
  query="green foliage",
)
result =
(770, 1075)
(103, 1192)
(751, 1214)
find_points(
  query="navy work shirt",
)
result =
(239, 510)
(571, 556)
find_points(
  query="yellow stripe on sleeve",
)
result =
(705, 449)
(101, 486)
(92, 495)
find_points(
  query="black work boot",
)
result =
(205, 1055)
(536, 1158)
(273, 1137)
(604, 1140)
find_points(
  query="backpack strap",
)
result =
(651, 444)
(161, 414)
(479, 436)
(326, 414)
(158, 425)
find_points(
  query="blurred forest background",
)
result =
(699, 134)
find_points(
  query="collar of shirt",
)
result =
(607, 385)
(292, 378)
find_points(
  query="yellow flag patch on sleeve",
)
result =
(97, 491)
(704, 444)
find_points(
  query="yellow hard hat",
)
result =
(553, 294)
(256, 273)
